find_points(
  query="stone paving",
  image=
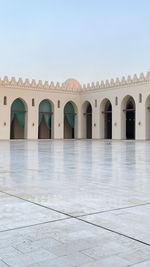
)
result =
(74, 203)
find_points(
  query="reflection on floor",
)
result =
(74, 203)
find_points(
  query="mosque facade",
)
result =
(115, 109)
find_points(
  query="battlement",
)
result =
(129, 81)
(12, 82)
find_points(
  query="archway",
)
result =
(18, 120)
(89, 121)
(128, 118)
(45, 120)
(86, 122)
(108, 120)
(69, 121)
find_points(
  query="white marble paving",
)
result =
(101, 182)
(18, 213)
(134, 222)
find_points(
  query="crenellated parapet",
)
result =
(129, 81)
(72, 85)
(27, 84)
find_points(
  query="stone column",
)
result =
(31, 131)
(5, 122)
(140, 127)
(58, 123)
(79, 123)
(95, 123)
(116, 122)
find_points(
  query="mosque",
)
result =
(115, 109)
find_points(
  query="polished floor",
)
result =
(74, 203)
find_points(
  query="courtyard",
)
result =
(74, 203)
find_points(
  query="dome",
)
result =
(72, 83)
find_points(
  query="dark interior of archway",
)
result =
(89, 121)
(43, 131)
(68, 130)
(130, 120)
(69, 121)
(108, 121)
(17, 131)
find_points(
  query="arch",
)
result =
(45, 123)
(86, 120)
(106, 119)
(147, 118)
(18, 129)
(128, 116)
(70, 120)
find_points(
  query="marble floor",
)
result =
(74, 203)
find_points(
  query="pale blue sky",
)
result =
(88, 40)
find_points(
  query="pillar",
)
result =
(95, 123)
(140, 122)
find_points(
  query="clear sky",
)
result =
(89, 40)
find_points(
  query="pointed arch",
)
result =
(128, 116)
(87, 120)
(18, 119)
(106, 119)
(45, 122)
(70, 120)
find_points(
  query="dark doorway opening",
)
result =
(45, 120)
(17, 131)
(44, 132)
(89, 121)
(17, 128)
(130, 120)
(68, 130)
(69, 121)
(108, 120)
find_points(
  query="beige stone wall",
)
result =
(94, 94)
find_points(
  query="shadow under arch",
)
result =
(46, 119)
(70, 120)
(86, 120)
(18, 119)
(106, 119)
(128, 116)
